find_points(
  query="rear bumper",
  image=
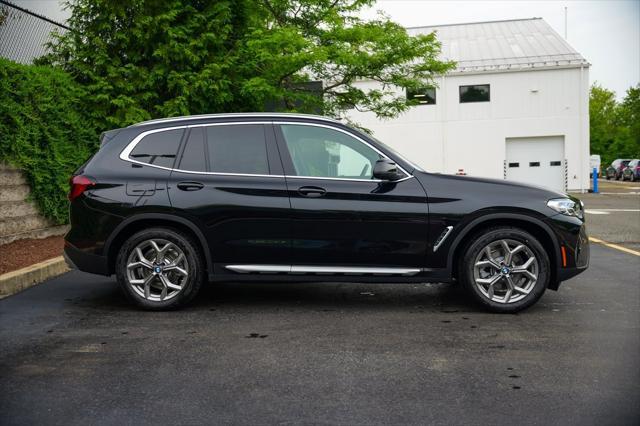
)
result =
(85, 262)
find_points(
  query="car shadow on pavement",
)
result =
(105, 295)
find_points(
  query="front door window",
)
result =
(328, 153)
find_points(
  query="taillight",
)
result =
(79, 184)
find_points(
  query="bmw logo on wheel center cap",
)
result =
(505, 270)
(157, 269)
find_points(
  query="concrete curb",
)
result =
(15, 281)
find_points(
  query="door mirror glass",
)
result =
(386, 169)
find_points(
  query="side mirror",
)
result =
(386, 169)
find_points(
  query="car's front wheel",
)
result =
(505, 269)
(160, 268)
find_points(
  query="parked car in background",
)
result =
(594, 163)
(614, 171)
(632, 171)
(167, 205)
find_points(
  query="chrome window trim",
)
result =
(126, 152)
(305, 269)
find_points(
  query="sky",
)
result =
(605, 32)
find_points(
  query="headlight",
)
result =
(567, 207)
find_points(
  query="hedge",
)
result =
(44, 131)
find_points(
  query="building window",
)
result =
(475, 93)
(424, 96)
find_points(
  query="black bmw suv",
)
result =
(169, 204)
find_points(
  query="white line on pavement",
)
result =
(611, 210)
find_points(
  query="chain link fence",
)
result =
(24, 34)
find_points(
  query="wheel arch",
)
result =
(534, 226)
(141, 221)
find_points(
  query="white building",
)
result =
(516, 107)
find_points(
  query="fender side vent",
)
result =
(442, 237)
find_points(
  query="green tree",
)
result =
(142, 59)
(614, 127)
(602, 122)
(629, 119)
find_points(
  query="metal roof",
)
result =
(503, 45)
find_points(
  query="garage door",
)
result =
(537, 161)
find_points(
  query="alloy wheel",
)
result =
(505, 271)
(157, 270)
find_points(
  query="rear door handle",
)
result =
(312, 191)
(190, 186)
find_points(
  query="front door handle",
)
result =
(190, 186)
(312, 191)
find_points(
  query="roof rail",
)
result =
(235, 115)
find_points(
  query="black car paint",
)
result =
(269, 220)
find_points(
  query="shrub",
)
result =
(44, 131)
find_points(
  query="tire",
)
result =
(475, 252)
(633, 177)
(158, 270)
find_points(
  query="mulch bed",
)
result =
(22, 253)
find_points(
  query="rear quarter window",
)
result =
(159, 148)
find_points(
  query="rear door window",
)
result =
(159, 148)
(238, 148)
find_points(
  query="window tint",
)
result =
(193, 156)
(424, 96)
(475, 93)
(158, 148)
(323, 152)
(237, 149)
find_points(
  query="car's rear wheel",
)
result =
(160, 268)
(505, 269)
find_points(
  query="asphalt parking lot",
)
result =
(613, 215)
(72, 351)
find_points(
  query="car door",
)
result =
(341, 215)
(229, 180)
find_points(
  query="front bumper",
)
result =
(85, 262)
(572, 238)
